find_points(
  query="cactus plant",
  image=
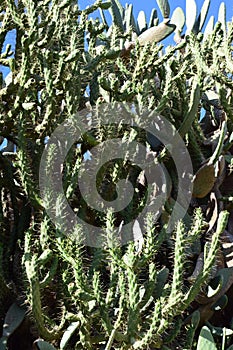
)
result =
(162, 285)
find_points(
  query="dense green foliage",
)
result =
(153, 294)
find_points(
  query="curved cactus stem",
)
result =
(218, 150)
(193, 107)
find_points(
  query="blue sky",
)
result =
(147, 6)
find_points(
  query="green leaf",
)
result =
(142, 25)
(156, 34)
(204, 180)
(103, 18)
(220, 331)
(231, 137)
(128, 17)
(221, 303)
(105, 5)
(228, 157)
(206, 340)
(120, 7)
(209, 27)
(222, 15)
(202, 17)
(3, 343)
(43, 345)
(164, 8)
(129, 20)
(153, 17)
(191, 14)
(226, 278)
(214, 286)
(117, 15)
(195, 318)
(14, 317)
(178, 18)
(68, 334)
(203, 13)
(161, 280)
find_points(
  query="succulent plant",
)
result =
(162, 285)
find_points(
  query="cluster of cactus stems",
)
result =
(141, 295)
(121, 296)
